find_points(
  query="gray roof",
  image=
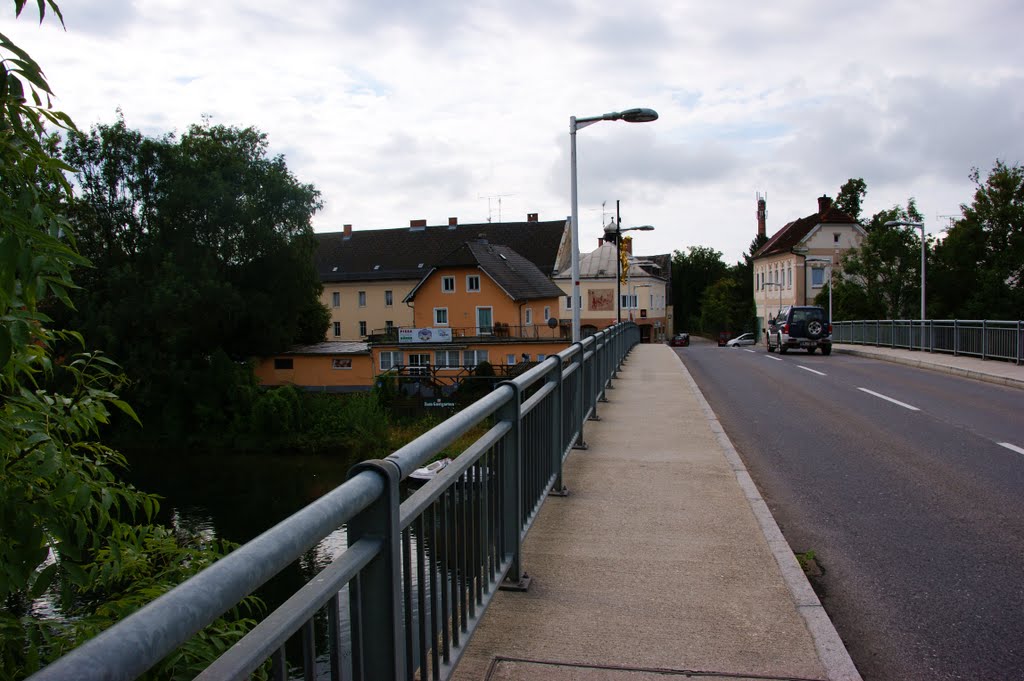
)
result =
(409, 253)
(331, 348)
(516, 275)
(600, 264)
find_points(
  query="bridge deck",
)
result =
(662, 561)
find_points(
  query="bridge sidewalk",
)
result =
(662, 563)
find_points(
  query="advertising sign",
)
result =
(424, 335)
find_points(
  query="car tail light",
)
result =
(785, 328)
(829, 327)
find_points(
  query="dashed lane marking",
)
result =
(777, 359)
(1013, 448)
(747, 350)
(889, 399)
(813, 371)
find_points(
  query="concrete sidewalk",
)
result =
(988, 370)
(663, 563)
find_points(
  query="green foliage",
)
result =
(851, 196)
(67, 522)
(203, 253)
(978, 271)
(692, 273)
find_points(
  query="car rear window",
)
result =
(807, 315)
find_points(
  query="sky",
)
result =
(410, 109)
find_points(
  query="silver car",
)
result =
(745, 339)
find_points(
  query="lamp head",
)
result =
(639, 115)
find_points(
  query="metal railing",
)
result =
(402, 601)
(987, 339)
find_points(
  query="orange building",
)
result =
(331, 366)
(481, 303)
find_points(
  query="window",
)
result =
(336, 299)
(484, 321)
(835, 238)
(629, 302)
(389, 326)
(568, 301)
(440, 316)
(547, 312)
(529, 316)
(541, 358)
(419, 359)
(510, 359)
(470, 358)
(448, 284)
(362, 299)
(789, 277)
(389, 299)
(362, 328)
(390, 359)
(283, 363)
(337, 329)
(818, 277)
(473, 283)
(341, 363)
(446, 358)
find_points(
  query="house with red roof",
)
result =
(795, 264)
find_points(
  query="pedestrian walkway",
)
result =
(662, 563)
(989, 370)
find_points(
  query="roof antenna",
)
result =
(493, 196)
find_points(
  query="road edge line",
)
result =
(831, 650)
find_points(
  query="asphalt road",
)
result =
(911, 496)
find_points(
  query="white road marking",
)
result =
(746, 350)
(889, 399)
(777, 359)
(800, 366)
(1014, 448)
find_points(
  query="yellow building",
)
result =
(331, 366)
(795, 264)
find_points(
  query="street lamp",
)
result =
(630, 116)
(613, 233)
(908, 223)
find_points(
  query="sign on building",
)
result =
(424, 335)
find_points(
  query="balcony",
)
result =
(499, 332)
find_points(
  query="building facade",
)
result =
(795, 264)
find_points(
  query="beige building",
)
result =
(643, 296)
(795, 264)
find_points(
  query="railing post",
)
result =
(601, 365)
(512, 463)
(377, 594)
(956, 337)
(1020, 342)
(595, 391)
(554, 377)
(984, 338)
(579, 409)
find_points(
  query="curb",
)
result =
(933, 366)
(830, 649)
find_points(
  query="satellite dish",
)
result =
(552, 322)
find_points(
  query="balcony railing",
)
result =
(498, 332)
(988, 339)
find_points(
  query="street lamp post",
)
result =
(630, 116)
(917, 225)
(614, 234)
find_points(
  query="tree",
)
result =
(67, 522)
(203, 248)
(881, 279)
(979, 266)
(692, 273)
(851, 196)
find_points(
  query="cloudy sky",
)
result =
(402, 109)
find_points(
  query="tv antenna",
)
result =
(603, 212)
(952, 219)
(499, 197)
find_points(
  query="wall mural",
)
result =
(602, 299)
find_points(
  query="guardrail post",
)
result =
(579, 408)
(377, 594)
(555, 378)
(512, 462)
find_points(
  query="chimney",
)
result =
(452, 222)
(531, 217)
(824, 203)
(346, 232)
(762, 216)
(417, 223)
(600, 242)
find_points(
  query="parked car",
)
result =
(680, 340)
(800, 326)
(745, 339)
(723, 338)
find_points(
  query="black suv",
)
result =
(800, 326)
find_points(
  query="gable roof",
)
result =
(601, 264)
(409, 253)
(517, 276)
(795, 232)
